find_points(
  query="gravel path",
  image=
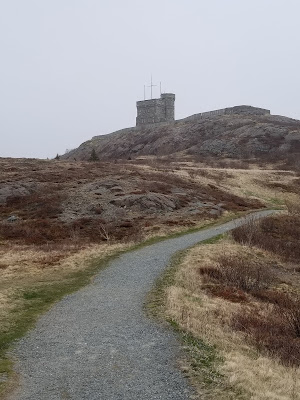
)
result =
(98, 344)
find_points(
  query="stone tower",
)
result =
(156, 110)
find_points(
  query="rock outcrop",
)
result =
(225, 136)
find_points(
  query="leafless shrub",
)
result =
(279, 234)
(36, 232)
(42, 204)
(103, 231)
(275, 297)
(212, 272)
(243, 273)
(229, 293)
(290, 311)
(239, 272)
(246, 233)
(275, 330)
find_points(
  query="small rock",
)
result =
(12, 218)
(116, 189)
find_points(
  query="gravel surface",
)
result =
(98, 343)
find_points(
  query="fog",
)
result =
(73, 69)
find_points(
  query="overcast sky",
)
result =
(73, 69)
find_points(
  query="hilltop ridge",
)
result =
(233, 135)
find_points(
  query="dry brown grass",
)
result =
(293, 205)
(31, 266)
(33, 278)
(192, 305)
(270, 186)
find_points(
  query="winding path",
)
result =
(98, 344)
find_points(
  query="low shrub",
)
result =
(42, 204)
(213, 273)
(279, 234)
(42, 231)
(235, 276)
(242, 273)
(270, 296)
(275, 330)
(290, 311)
(33, 231)
(229, 293)
(247, 232)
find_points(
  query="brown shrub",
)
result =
(279, 234)
(33, 231)
(97, 230)
(212, 272)
(42, 231)
(270, 296)
(242, 273)
(235, 275)
(276, 331)
(43, 204)
(246, 233)
(290, 311)
(229, 293)
(14, 201)
(286, 306)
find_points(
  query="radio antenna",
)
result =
(151, 86)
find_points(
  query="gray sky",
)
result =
(72, 69)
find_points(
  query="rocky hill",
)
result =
(235, 136)
(60, 201)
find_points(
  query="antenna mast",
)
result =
(151, 86)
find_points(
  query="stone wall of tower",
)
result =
(169, 104)
(149, 111)
(156, 110)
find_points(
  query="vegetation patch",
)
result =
(275, 330)
(278, 234)
(242, 302)
(273, 325)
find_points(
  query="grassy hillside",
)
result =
(236, 303)
(67, 214)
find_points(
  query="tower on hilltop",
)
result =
(156, 110)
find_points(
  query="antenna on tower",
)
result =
(151, 86)
(160, 87)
